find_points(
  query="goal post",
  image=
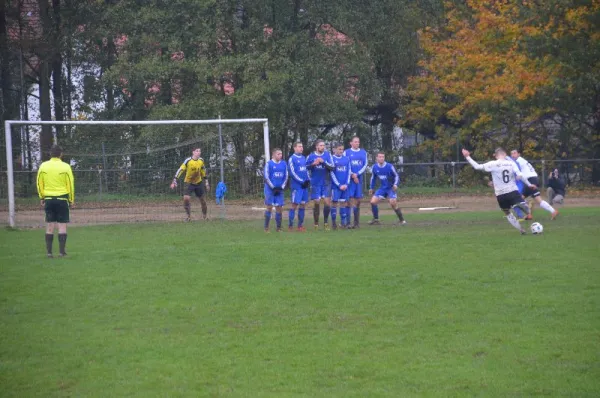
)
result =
(9, 147)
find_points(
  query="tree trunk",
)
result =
(46, 138)
(57, 75)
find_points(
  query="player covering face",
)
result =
(358, 167)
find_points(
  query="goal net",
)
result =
(123, 170)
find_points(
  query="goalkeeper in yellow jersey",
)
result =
(195, 173)
(56, 188)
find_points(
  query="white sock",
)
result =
(513, 221)
(546, 206)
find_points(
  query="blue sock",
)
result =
(344, 213)
(375, 210)
(355, 210)
(278, 219)
(300, 217)
(267, 218)
(292, 214)
(333, 214)
(519, 212)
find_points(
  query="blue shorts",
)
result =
(299, 195)
(386, 193)
(273, 200)
(337, 195)
(320, 191)
(355, 190)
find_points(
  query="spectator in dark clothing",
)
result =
(556, 188)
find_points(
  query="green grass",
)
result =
(451, 305)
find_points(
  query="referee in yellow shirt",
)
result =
(56, 188)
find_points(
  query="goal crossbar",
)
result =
(8, 136)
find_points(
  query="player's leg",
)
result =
(375, 209)
(506, 202)
(49, 209)
(49, 237)
(326, 194)
(545, 205)
(292, 212)
(62, 220)
(278, 217)
(334, 205)
(356, 196)
(394, 206)
(200, 191)
(269, 200)
(187, 206)
(301, 210)
(315, 196)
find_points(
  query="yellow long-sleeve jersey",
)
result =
(194, 170)
(55, 179)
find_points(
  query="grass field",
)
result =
(451, 305)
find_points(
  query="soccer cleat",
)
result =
(278, 230)
(301, 229)
(403, 222)
(554, 215)
(62, 255)
(326, 227)
(316, 227)
(334, 226)
(374, 221)
(529, 217)
(290, 229)
(267, 230)
(188, 219)
(49, 255)
(523, 232)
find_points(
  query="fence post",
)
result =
(100, 182)
(453, 176)
(104, 163)
(543, 174)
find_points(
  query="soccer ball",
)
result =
(536, 228)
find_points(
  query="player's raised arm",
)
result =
(473, 163)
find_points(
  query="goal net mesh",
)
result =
(123, 172)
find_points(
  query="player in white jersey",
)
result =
(503, 176)
(530, 175)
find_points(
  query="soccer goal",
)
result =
(123, 169)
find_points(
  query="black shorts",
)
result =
(198, 189)
(507, 201)
(57, 210)
(534, 193)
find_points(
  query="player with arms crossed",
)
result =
(195, 172)
(358, 166)
(56, 189)
(503, 176)
(276, 175)
(300, 181)
(319, 163)
(340, 177)
(531, 175)
(387, 174)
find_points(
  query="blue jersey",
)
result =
(276, 174)
(387, 174)
(298, 170)
(520, 184)
(340, 175)
(319, 173)
(358, 161)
